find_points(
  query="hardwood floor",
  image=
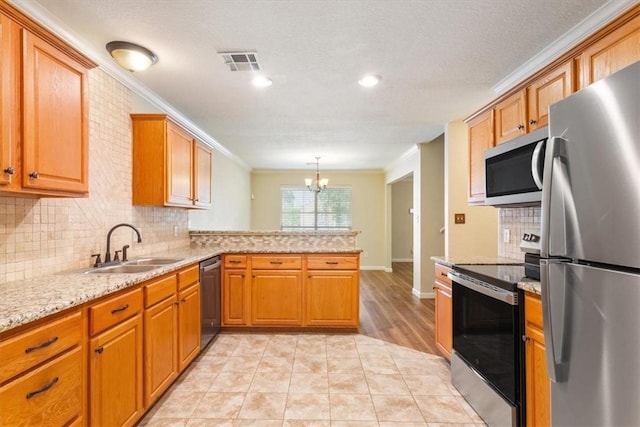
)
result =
(390, 312)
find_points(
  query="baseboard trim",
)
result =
(401, 259)
(374, 267)
(423, 295)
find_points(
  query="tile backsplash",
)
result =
(40, 236)
(517, 221)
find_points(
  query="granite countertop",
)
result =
(28, 300)
(530, 285)
(449, 261)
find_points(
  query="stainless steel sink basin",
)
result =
(123, 269)
(153, 261)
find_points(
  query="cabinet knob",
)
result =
(520, 127)
(532, 122)
(34, 175)
(525, 338)
(99, 350)
(10, 170)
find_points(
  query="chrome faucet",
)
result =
(107, 257)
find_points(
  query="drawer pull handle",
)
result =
(275, 262)
(234, 261)
(42, 389)
(42, 345)
(331, 262)
(443, 274)
(119, 309)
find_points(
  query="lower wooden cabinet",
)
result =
(332, 298)
(236, 300)
(444, 311)
(188, 325)
(537, 379)
(276, 298)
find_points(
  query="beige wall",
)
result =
(479, 235)
(368, 207)
(402, 220)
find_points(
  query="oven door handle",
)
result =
(496, 293)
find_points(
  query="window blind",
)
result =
(301, 209)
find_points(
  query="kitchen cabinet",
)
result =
(276, 290)
(42, 375)
(546, 90)
(116, 360)
(444, 311)
(537, 381)
(236, 294)
(480, 139)
(188, 317)
(170, 167)
(611, 53)
(44, 111)
(510, 117)
(332, 291)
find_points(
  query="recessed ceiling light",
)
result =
(369, 80)
(262, 81)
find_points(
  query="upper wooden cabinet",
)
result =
(548, 89)
(611, 53)
(43, 112)
(480, 139)
(510, 117)
(170, 168)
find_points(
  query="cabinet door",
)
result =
(510, 118)
(55, 155)
(537, 380)
(611, 53)
(235, 298)
(9, 99)
(203, 175)
(188, 326)
(332, 298)
(480, 139)
(179, 166)
(276, 298)
(115, 379)
(552, 87)
(160, 348)
(444, 319)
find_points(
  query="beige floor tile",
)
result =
(219, 405)
(396, 408)
(452, 425)
(196, 381)
(348, 383)
(178, 404)
(249, 350)
(241, 364)
(378, 365)
(272, 382)
(275, 364)
(413, 366)
(403, 424)
(431, 385)
(387, 384)
(211, 364)
(352, 407)
(399, 352)
(264, 406)
(307, 406)
(164, 422)
(309, 383)
(217, 422)
(310, 364)
(279, 350)
(341, 339)
(306, 423)
(442, 409)
(349, 365)
(341, 423)
(439, 367)
(373, 350)
(363, 339)
(232, 382)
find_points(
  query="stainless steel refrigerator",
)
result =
(591, 241)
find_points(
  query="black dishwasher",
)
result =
(210, 305)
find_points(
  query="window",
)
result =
(301, 209)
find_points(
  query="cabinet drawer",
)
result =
(113, 311)
(39, 344)
(188, 277)
(341, 262)
(235, 261)
(441, 274)
(159, 290)
(284, 262)
(50, 395)
(533, 309)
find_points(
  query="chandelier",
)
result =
(320, 184)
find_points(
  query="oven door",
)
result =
(486, 326)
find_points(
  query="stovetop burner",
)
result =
(502, 276)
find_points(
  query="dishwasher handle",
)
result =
(210, 267)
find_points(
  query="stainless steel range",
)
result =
(487, 350)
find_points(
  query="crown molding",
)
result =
(601, 16)
(60, 29)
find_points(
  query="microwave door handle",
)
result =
(535, 164)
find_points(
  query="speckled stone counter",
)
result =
(532, 286)
(301, 241)
(449, 261)
(28, 300)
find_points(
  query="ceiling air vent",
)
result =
(240, 61)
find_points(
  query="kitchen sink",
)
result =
(122, 269)
(153, 261)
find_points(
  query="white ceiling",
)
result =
(438, 59)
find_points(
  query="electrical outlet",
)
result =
(459, 218)
(506, 235)
(175, 231)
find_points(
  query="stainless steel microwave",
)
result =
(513, 170)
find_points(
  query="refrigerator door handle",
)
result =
(556, 149)
(554, 311)
(535, 164)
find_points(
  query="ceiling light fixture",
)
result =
(320, 184)
(369, 80)
(262, 81)
(131, 56)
